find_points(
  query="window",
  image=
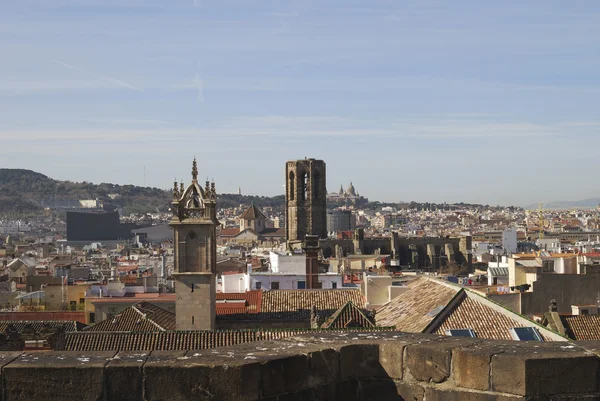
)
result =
(461, 333)
(548, 266)
(258, 285)
(525, 334)
(92, 317)
(292, 185)
(275, 285)
(301, 285)
(585, 312)
(82, 300)
(334, 285)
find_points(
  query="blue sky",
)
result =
(474, 101)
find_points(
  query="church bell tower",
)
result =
(194, 225)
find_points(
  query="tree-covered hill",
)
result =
(24, 192)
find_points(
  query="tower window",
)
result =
(192, 320)
(292, 185)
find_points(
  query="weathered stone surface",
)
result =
(201, 375)
(284, 374)
(430, 361)
(5, 358)
(76, 376)
(545, 369)
(471, 365)
(323, 367)
(123, 376)
(410, 391)
(391, 356)
(379, 389)
(360, 360)
(446, 394)
(347, 390)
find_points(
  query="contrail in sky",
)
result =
(115, 81)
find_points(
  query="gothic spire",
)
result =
(175, 189)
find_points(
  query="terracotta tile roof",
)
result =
(582, 327)
(176, 340)
(252, 213)
(43, 316)
(348, 316)
(253, 299)
(487, 323)
(41, 325)
(142, 316)
(296, 304)
(412, 311)
(229, 232)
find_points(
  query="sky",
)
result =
(492, 102)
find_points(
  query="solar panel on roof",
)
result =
(461, 333)
(525, 334)
(436, 311)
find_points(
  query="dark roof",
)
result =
(273, 232)
(582, 327)
(253, 213)
(177, 340)
(295, 305)
(41, 325)
(348, 316)
(142, 316)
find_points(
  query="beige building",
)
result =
(65, 297)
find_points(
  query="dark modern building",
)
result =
(339, 220)
(97, 227)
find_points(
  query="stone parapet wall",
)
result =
(327, 366)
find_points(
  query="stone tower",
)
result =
(305, 199)
(194, 225)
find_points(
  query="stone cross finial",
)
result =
(195, 170)
(553, 306)
(181, 189)
(207, 188)
(213, 191)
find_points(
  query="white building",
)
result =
(287, 272)
(509, 240)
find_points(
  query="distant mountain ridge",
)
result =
(580, 204)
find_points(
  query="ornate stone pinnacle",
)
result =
(195, 170)
(175, 189)
(181, 189)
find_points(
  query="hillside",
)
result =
(24, 192)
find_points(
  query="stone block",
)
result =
(323, 367)
(76, 376)
(391, 358)
(284, 374)
(378, 389)
(347, 390)
(360, 360)
(545, 370)
(410, 391)
(123, 376)
(203, 376)
(6, 357)
(471, 365)
(431, 361)
(449, 394)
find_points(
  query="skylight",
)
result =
(525, 334)
(461, 333)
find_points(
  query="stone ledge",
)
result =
(330, 366)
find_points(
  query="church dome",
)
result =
(351, 190)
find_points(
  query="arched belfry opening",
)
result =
(292, 186)
(194, 225)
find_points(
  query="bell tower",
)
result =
(194, 225)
